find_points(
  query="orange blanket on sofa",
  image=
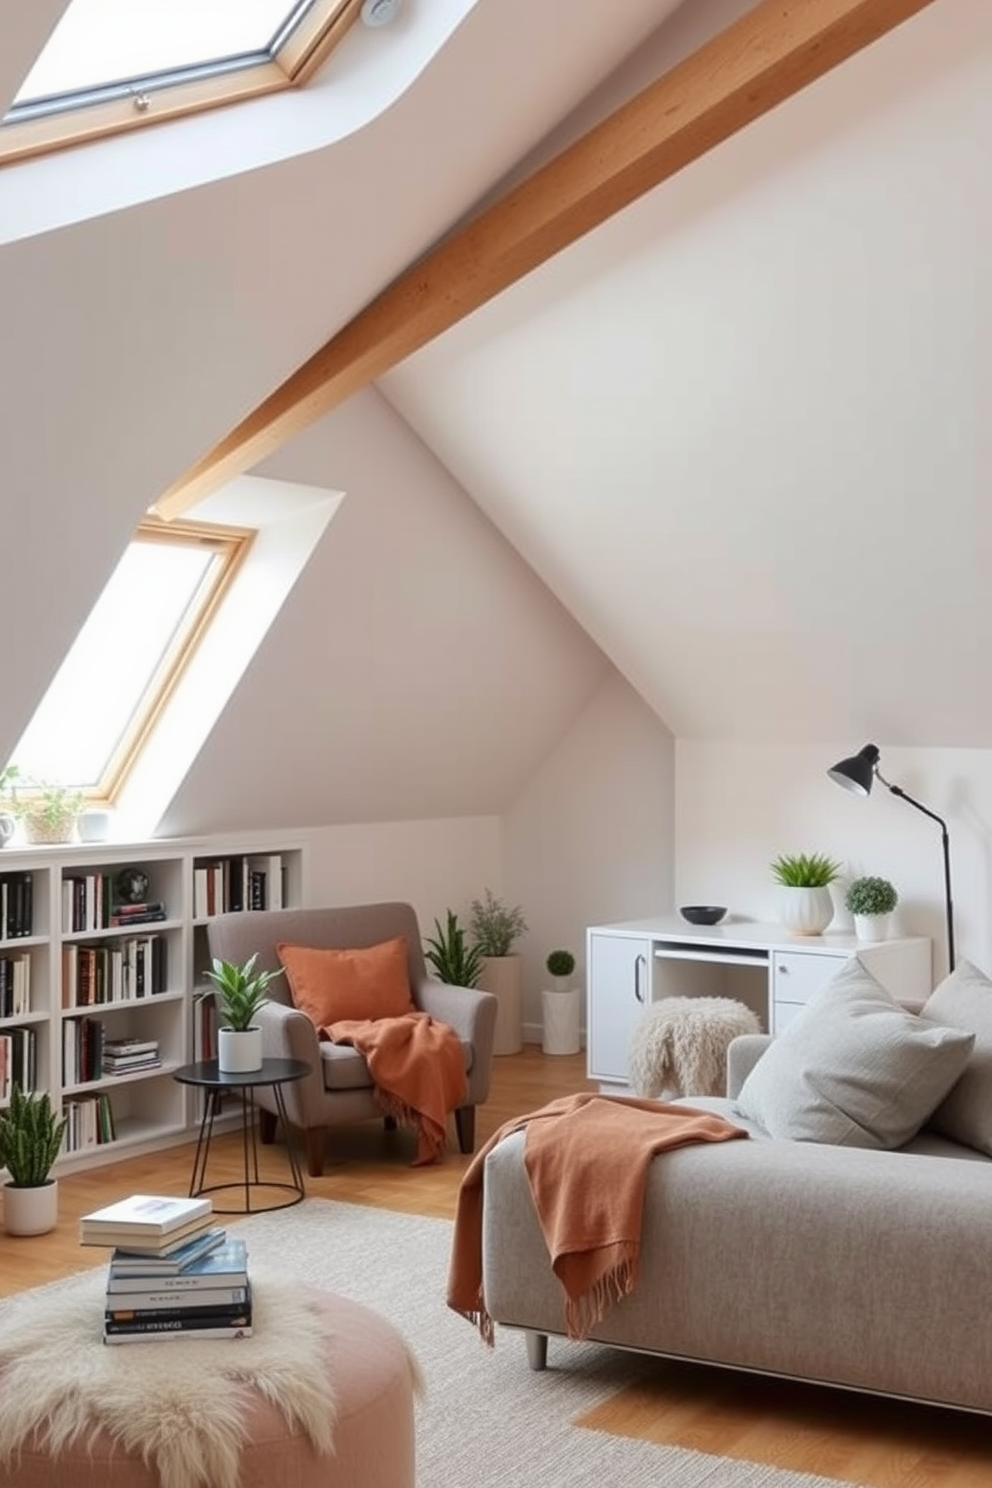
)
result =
(586, 1158)
(418, 1069)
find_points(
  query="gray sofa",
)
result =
(839, 1265)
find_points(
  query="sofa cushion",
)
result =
(964, 1000)
(330, 985)
(854, 1069)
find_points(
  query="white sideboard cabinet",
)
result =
(635, 963)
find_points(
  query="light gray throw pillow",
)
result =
(964, 1000)
(853, 1069)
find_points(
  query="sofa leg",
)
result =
(266, 1126)
(389, 1123)
(315, 1150)
(537, 1349)
(465, 1127)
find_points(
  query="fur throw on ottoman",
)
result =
(679, 1045)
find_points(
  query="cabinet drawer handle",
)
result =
(639, 961)
(782, 970)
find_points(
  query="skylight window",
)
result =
(128, 656)
(116, 64)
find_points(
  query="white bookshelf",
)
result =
(64, 1010)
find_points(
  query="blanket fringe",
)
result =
(431, 1139)
(583, 1313)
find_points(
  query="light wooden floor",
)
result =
(857, 1439)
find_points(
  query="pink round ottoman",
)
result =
(369, 1365)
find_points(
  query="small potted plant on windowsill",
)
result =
(238, 993)
(806, 904)
(496, 927)
(30, 1138)
(871, 901)
(46, 810)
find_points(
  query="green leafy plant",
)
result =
(871, 896)
(30, 1138)
(238, 991)
(495, 927)
(47, 809)
(804, 870)
(560, 964)
(450, 954)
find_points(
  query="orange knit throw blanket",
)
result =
(418, 1070)
(586, 1157)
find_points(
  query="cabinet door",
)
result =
(619, 990)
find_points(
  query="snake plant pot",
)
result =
(239, 1051)
(30, 1211)
(806, 911)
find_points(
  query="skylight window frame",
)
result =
(41, 126)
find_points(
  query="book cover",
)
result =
(123, 1264)
(223, 1263)
(128, 1245)
(146, 1216)
(224, 1304)
(157, 1335)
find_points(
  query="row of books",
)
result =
(88, 1054)
(173, 1273)
(238, 882)
(89, 1122)
(18, 1060)
(16, 905)
(123, 971)
(15, 985)
(89, 903)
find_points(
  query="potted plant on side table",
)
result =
(806, 905)
(562, 1006)
(30, 1138)
(496, 928)
(238, 993)
(871, 900)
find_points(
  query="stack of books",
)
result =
(173, 1274)
(124, 1056)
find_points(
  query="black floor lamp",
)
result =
(856, 774)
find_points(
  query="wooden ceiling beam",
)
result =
(769, 54)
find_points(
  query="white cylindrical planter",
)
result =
(806, 911)
(562, 1013)
(501, 975)
(239, 1051)
(31, 1211)
(871, 927)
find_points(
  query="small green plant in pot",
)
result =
(806, 904)
(871, 900)
(560, 965)
(238, 993)
(495, 926)
(30, 1138)
(450, 954)
(47, 810)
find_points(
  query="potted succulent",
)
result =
(871, 900)
(238, 993)
(562, 1005)
(806, 904)
(496, 928)
(30, 1138)
(450, 954)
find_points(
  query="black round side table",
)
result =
(207, 1075)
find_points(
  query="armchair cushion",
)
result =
(333, 985)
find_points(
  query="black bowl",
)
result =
(703, 914)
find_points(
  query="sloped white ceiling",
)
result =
(741, 430)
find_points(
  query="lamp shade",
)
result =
(857, 773)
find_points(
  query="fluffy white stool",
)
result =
(679, 1045)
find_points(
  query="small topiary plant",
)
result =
(870, 896)
(560, 964)
(804, 870)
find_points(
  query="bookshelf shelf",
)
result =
(70, 981)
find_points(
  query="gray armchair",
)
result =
(340, 1091)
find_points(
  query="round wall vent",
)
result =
(379, 12)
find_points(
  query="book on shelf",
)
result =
(147, 1218)
(146, 917)
(224, 1264)
(125, 1266)
(166, 1305)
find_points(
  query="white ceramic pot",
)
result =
(871, 927)
(31, 1211)
(562, 1012)
(806, 911)
(239, 1051)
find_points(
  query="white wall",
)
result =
(739, 805)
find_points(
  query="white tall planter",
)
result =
(806, 911)
(562, 1013)
(502, 975)
(31, 1211)
(239, 1051)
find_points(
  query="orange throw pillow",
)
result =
(330, 985)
